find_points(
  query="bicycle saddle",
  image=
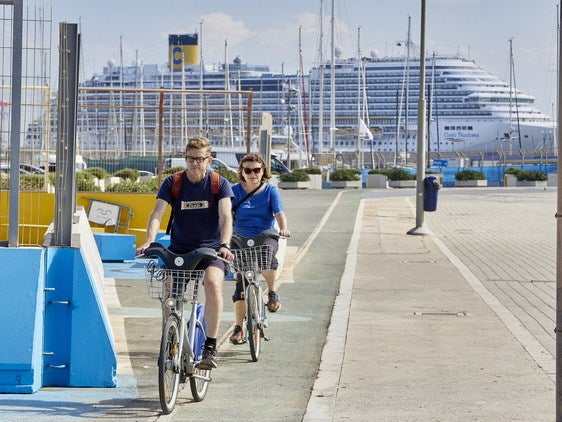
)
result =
(188, 261)
(240, 241)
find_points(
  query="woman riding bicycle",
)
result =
(257, 206)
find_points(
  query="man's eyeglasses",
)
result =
(199, 160)
(248, 170)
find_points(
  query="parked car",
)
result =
(217, 164)
(5, 169)
(31, 169)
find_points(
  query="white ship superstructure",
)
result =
(469, 108)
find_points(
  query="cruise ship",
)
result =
(469, 108)
(375, 107)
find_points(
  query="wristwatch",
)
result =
(225, 245)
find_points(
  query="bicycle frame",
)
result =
(182, 340)
(252, 257)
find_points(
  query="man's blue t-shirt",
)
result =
(196, 212)
(256, 213)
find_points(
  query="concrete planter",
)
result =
(315, 181)
(274, 180)
(402, 183)
(346, 184)
(294, 185)
(532, 183)
(470, 183)
(377, 181)
(509, 180)
(552, 179)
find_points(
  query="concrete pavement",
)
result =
(455, 326)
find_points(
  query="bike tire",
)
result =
(252, 319)
(199, 386)
(169, 365)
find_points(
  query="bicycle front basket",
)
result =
(257, 258)
(162, 283)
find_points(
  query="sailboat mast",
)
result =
(407, 99)
(321, 82)
(305, 123)
(359, 69)
(228, 120)
(515, 96)
(201, 78)
(332, 84)
(510, 128)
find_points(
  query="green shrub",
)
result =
(98, 172)
(229, 175)
(128, 174)
(32, 182)
(28, 182)
(379, 171)
(85, 182)
(513, 170)
(345, 175)
(298, 175)
(312, 170)
(470, 175)
(127, 186)
(172, 170)
(400, 174)
(532, 176)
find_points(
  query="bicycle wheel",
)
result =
(169, 365)
(199, 385)
(252, 319)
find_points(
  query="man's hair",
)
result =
(199, 142)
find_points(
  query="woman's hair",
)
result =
(256, 158)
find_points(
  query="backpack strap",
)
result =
(177, 180)
(215, 180)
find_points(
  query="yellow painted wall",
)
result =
(37, 210)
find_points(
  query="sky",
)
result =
(267, 32)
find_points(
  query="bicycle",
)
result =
(174, 284)
(251, 257)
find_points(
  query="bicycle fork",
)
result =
(261, 321)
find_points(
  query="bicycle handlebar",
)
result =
(188, 261)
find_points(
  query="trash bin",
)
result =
(430, 187)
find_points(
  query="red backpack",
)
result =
(177, 181)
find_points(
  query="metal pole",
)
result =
(65, 193)
(15, 123)
(559, 252)
(419, 229)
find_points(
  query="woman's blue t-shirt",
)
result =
(256, 213)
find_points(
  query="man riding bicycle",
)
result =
(201, 218)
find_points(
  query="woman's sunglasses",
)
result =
(256, 170)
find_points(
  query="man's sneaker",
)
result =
(273, 305)
(209, 358)
(237, 336)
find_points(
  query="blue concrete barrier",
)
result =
(21, 312)
(115, 247)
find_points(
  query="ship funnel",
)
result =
(182, 50)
